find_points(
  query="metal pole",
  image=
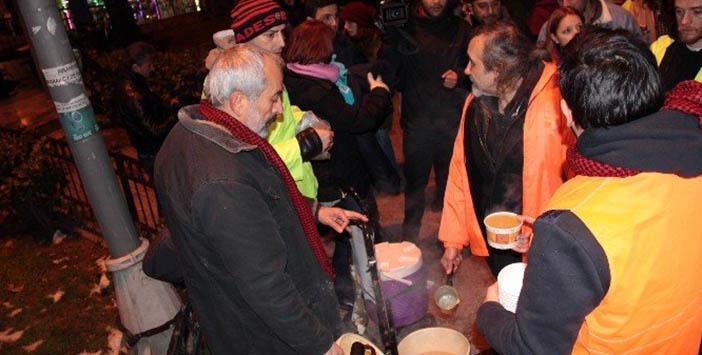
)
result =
(56, 61)
(144, 303)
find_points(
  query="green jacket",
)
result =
(282, 137)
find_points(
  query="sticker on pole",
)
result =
(63, 75)
(79, 124)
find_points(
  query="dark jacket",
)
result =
(253, 280)
(347, 52)
(569, 272)
(142, 113)
(426, 103)
(346, 167)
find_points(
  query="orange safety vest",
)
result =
(649, 226)
(546, 138)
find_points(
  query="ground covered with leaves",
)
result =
(55, 298)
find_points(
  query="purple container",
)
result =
(408, 304)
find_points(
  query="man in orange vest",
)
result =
(616, 263)
(510, 148)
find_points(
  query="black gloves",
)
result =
(310, 143)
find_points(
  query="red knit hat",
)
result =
(250, 18)
(359, 13)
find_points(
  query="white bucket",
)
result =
(434, 341)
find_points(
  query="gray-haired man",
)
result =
(254, 267)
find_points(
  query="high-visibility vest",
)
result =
(650, 227)
(661, 45)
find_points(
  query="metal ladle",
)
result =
(446, 297)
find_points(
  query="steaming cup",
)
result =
(502, 229)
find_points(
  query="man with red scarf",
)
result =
(254, 266)
(615, 265)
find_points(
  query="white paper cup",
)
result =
(501, 237)
(509, 284)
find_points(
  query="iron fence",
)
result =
(135, 181)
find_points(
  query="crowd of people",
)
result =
(583, 117)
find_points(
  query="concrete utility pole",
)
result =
(144, 303)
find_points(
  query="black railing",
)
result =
(73, 202)
(140, 194)
(136, 184)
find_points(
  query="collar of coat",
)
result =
(192, 120)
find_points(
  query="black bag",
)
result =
(161, 260)
(187, 338)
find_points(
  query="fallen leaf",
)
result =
(33, 346)
(104, 282)
(114, 341)
(15, 288)
(43, 310)
(101, 264)
(8, 244)
(99, 352)
(60, 260)
(8, 336)
(8, 305)
(64, 267)
(94, 290)
(15, 312)
(58, 237)
(56, 296)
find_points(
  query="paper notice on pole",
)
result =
(73, 104)
(63, 75)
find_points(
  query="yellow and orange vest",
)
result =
(650, 227)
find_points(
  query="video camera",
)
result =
(393, 16)
(393, 13)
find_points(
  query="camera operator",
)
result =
(431, 80)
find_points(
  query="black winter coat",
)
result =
(426, 103)
(142, 113)
(253, 280)
(346, 167)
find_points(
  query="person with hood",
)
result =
(430, 78)
(616, 262)
(358, 20)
